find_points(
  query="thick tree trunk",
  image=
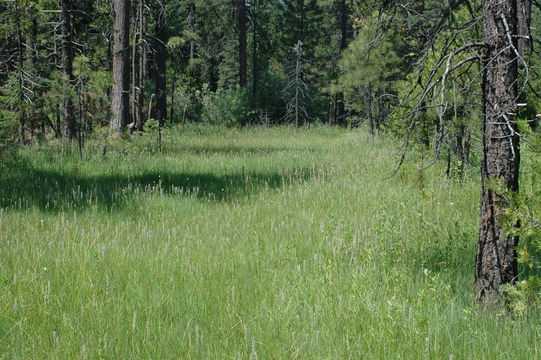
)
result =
(70, 130)
(120, 101)
(243, 58)
(496, 255)
(160, 110)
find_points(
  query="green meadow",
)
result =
(243, 244)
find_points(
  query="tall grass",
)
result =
(242, 244)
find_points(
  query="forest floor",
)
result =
(242, 244)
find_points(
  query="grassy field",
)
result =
(242, 244)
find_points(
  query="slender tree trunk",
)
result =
(340, 105)
(368, 101)
(120, 101)
(254, 56)
(31, 41)
(70, 130)
(142, 65)
(135, 104)
(467, 147)
(496, 255)
(160, 110)
(297, 88)
(172, 98)
(524, 10)
(459, 149)
(243, 58)
(139, 66)
(191, 25)
(20, 55)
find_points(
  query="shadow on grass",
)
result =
(22, 186)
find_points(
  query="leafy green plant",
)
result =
(525, 210)
(226, 107)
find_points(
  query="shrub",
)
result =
(525, 209)
(226, 107)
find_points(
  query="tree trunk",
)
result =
(20, 76)
(496, 255)
(459, 150)
(160, 110)
(340, 106)
(142, 66)
(254, 57)
(243, 60)
(135, 59)
(70, 130)
(524, 10)
(191, 25)
(370, 114)
(31, 41)
(120, 101)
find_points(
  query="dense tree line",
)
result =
(436, 73)
(119, 63)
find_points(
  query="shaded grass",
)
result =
(54, 191)
(309, 255)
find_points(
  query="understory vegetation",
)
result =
(243, 244)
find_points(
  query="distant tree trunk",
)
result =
(120, 101)
(467, 147)
(254, 55)
(31, 41)
(142, 65)
(340, 105)
(135, 59)
(496, 263)
(160, 109)
(297, 88)
(70, 130)
(370, 114)
(20, 54)
(172, 98)
(139, 66)
(459, 149)
(243, 58)
(191, 25)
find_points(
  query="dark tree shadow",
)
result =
(22, 186)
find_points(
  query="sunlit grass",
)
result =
(242, 244)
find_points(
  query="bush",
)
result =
(226, 107)
(525, 209)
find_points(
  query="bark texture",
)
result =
(496, 255)
(120, 101)
(524, 10)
